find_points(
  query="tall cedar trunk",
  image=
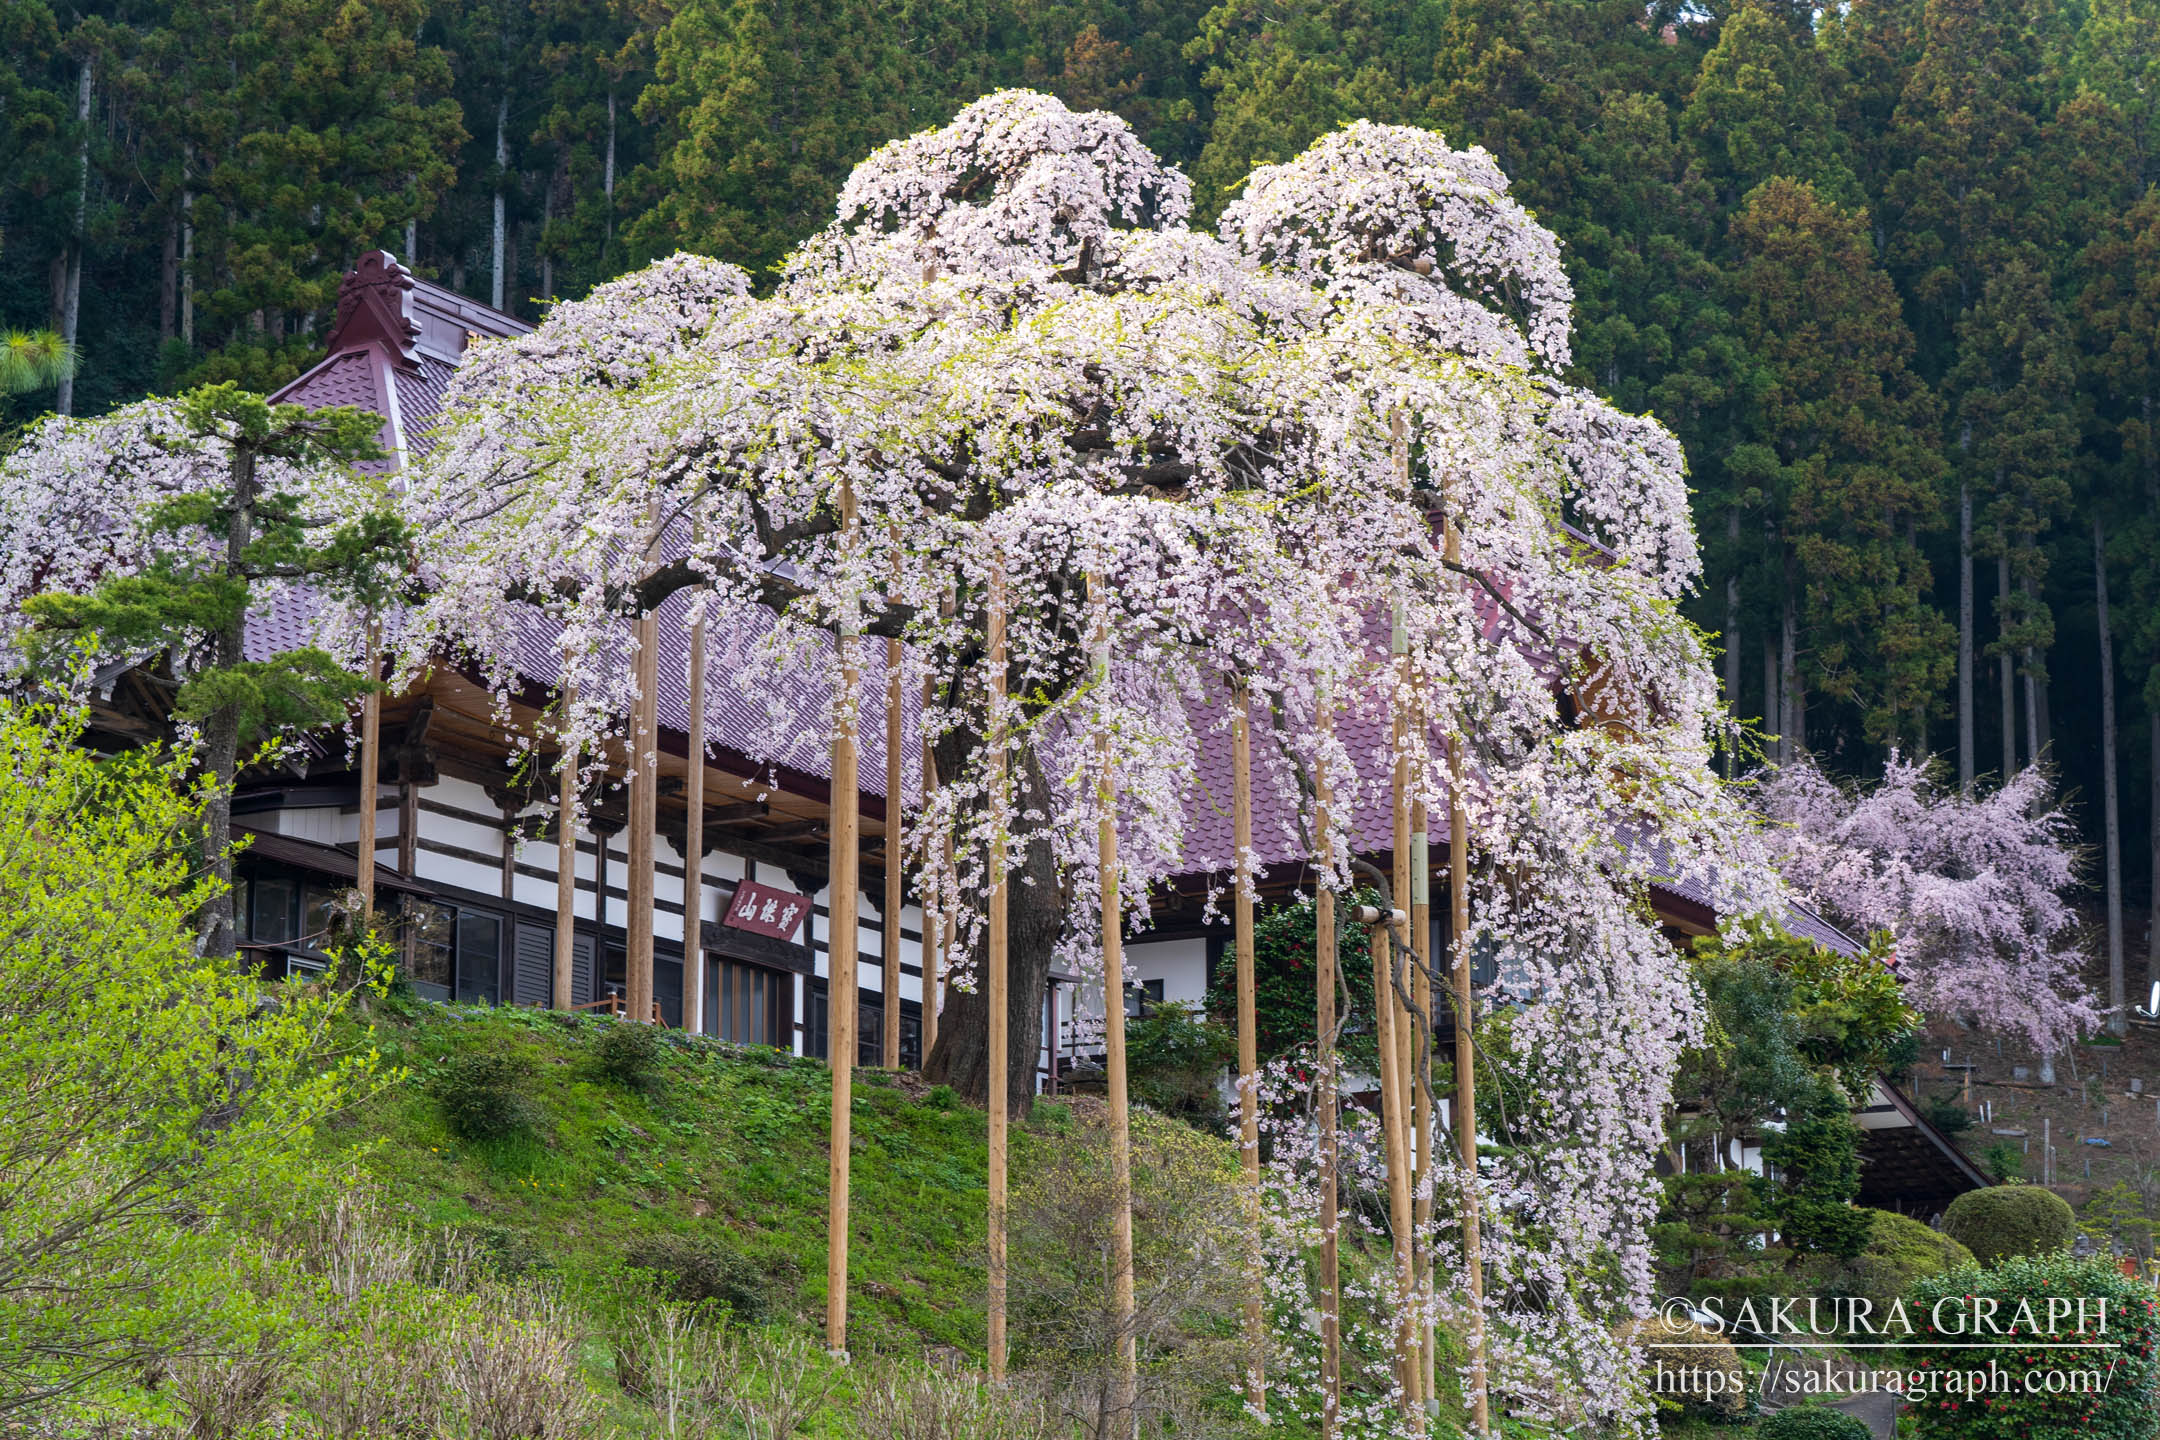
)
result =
(2036, 730)
(1792, 722)
(1770, 711)
(2152, 903)
(71, 284)
(169, 280)
(1034, 920)
(187, 261)
(502, 169)
(221, 728)
(1732, 635)
(2006, 666)
(607, 178)
(1968, 752)
(2118, 1020)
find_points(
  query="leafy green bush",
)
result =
(1812, 1422)
(2006, 1220)
(483, 1097)
(1900, 1252)
(1173, 1059)
(628, 1054)
(703, 1271)
(2111, 1394)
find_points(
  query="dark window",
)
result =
(479, 957)
(430, 947)
(275, 918)
(315, 905)
(749, 1004)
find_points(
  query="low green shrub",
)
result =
(2006, 1220)
(2035, 1391)
(628, 1054)
(1812, 1422)
(483, 1096)
(696, 1271)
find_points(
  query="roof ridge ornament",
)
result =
(375, 303)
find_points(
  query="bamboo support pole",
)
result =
(894, 876)
(995, 979)
(841, 933)
(693, 857)
(1126, 1394)
(566, 781)
(644, 817)
(1248, 1047)
(370, 775)
(1324, 958)
(1466, 1054)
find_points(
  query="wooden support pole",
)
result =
(1401, 1030)
(644, 820)
(370, 775)
(693, 858)
(566, 780)
(933, 939)
(1465, 1053)
(840, 1010)
(895, 804)
(1398, 1161)
(1324, 957)
(1421, 1106)
(1126, 1393)
(1248, 1049)
(995, 980)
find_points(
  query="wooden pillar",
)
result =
(840, 1011)
(693, 885)
(1466, 1053)
(566, 778)
(370, 775)
(1125, 1395)
(644, 817)
(995, 980)
(1248, 1049)
(895, 804)
(1324, 958)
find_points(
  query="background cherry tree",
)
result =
(1028, 381)
(1973, 887)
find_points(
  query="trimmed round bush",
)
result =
(1693, 1366)
(1812, 1422)
(2006, 1220)
(1900, 1252)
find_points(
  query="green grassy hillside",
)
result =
(724, 1148)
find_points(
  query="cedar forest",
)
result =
(1891, 270)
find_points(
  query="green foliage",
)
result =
(2004, 1162)
(33, 360)
(1174, 1058)
(484, 1096)
(2007, 1220)
(1816, 1159)
(1812, 1422)
(1285, 1007)
(2116, 1398)
(173, 1108)
(628, 1054)
(709, 1272)
(2118, 1217)
(1946, 1115)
